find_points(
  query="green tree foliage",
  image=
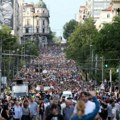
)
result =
(56, 40)
(14, 57)
(31, 48)
(69, 28)
(108, 42)
(80, 42)
(8, 41)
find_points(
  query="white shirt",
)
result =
(89, 107)
(63, 105)
(114, 113)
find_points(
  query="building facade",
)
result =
(82, 14)
(94, 7)
(115, 7)
(36, 23)
(106, 16)
(20, 2)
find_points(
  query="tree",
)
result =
(80, 41)
(8, 41)
(108, 42)
(80, 45)
(69, 28)
(31, 48)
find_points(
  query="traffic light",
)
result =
(106, 65)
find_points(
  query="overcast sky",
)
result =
(61, 11)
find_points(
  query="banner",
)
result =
(7, 12)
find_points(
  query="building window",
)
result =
(26, 30)
(37, 30)
(108, 15)
(28, 22)
(37, 22)
(43, 30)
(43, 22)
(37, 11)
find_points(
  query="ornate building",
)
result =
(36, 23)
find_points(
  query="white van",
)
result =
(67, 94)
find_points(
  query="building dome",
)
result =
(41, 4)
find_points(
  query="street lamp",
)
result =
(91, 55)
(102, 66)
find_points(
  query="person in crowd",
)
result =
(114, 111)
(41, 110)
(89, 105)
(68, 110)
(54, 114)
(81, 110)
(109, 109)
(48, 108)
(17, 111)
(63, 105)
(5, 110)
(25, 111)
(33, 109)
(103, 114)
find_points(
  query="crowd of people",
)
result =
(53, 71)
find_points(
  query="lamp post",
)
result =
(0, 64)
(0, 61)
(91, 55)
(110, 80)
(119, 78)
(102, 66)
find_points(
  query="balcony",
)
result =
(27, 26)
(115, 0)
(41, 15)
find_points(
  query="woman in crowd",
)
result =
(54, 114)
(81, 110)
(5, 111)
(17, 111)
(41, 110)
(25, 111)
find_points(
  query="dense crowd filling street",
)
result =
(57, 91)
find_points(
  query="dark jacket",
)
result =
(52, 117)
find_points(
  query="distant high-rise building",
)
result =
(106, 16)
(36, 22)
(115, 7)
(94, 7)
(82, 14)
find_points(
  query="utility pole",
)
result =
(102, 69)
(119, 78)
(0, 64)
(110, 80)
(0, 61)
(96, 64)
